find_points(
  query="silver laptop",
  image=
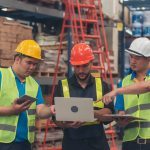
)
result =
(74, 109)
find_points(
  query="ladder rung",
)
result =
(91, 36)
(70, 26)
(67, 26)
(98, 52)
(97, 67)
(85, 5)
(88, 20)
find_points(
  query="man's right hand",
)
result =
(109, 97)
(17, 108)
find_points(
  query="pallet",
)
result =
(5, 63)
(48, 74)
(48, 148)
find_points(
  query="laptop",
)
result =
(74, 109)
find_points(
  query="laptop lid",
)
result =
(74, 109)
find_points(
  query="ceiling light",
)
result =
(4, 9)
(138, 8)
(8, 18)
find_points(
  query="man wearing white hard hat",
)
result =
(136, 133)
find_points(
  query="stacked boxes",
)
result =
(11, 33)
(50, 47)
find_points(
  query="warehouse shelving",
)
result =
(31, 12)
(26, 11)
(131, 5)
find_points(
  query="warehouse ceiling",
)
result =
(25, 11)
(137, 4)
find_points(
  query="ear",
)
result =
(17, 58)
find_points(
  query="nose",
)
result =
(81, 69)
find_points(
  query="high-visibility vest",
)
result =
(98, 104)
(8, 93)
(138, 106)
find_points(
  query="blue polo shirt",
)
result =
(119, 105)
(22, 129)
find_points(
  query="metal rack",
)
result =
(140, 5)
(26, 11)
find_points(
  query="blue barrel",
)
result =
(146, 29)
(137, 16)
(137, 29)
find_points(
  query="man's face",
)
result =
(26, 65)
(138, 63)
(82, 71)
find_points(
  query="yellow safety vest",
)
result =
(138, 106)
(98, 104)
(8, 93)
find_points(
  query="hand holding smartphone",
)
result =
(24, 98)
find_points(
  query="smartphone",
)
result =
(24, 98)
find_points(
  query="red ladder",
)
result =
(85, 19)
(85, 24)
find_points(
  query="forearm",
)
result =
(137, 88)
(99, 113)
(6, 111)
(43, 111)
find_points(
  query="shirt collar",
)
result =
(16, 77)
(133, 74)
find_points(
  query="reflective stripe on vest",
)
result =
(137, 106)
(98, 104)
(7, 127)
(138, 124)
(8, 93)
(65, 88)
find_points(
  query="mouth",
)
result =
(133, 65)
(82, 75)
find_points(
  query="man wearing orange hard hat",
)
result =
(17, 115)
(81, 135)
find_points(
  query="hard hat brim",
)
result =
(75, 63)
(133, 52)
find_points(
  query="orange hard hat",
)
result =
(29, 48)
(81, 53)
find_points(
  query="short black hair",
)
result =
(20, 55)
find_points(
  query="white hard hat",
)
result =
(140, 47)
